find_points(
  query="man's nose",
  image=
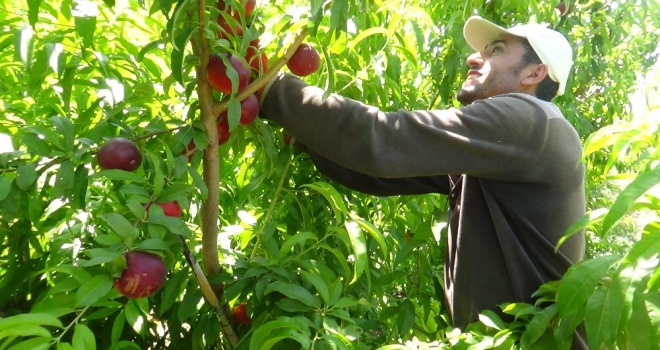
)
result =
(475, 60)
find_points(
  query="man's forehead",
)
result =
(505, 39)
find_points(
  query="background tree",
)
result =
(290, 259)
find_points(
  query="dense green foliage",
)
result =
(319, 266)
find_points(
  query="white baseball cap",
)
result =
(551, 46)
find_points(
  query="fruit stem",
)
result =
(219, 107)
(273, 202)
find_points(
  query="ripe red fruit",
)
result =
(227, 28)
(216, 73)
(305, 61)
(189, 150)
(171, 209)
(563, 10)
(248, 7)
(249, 110)
(287, 139)
(223, 131)
(240, 314)
(144, 275)
(119, 153)
(258, 61)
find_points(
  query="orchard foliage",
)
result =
(299, 261)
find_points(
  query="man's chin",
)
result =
(466, 97)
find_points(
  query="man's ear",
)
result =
(535, 74)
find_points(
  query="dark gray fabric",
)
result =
(511, 165)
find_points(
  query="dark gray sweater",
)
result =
(511, 165)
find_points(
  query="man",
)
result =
(508, 159)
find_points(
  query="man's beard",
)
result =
(466, 97)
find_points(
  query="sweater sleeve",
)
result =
(496, 138)
(377, 186)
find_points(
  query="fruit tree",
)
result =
(145, 205)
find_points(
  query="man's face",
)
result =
(493, 71)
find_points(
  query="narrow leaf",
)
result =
(292, 241)
(83, 338)
(640, 185)
(332, 196)
(25, 176)
(597, 323)
(538, 325)
(359, 249)
(178, 52)
(294, 292)
(580, 281)
(318, 282)
(92, 290)
(120, 225)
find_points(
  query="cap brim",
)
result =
(479, 32)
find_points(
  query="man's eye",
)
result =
(497, 49)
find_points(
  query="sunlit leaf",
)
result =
(580, 281)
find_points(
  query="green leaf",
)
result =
(85, 27)
(292, 305)
(645, 248)
(491, 319)
(24, 46)
(93, 289)
(359, 249)
(580, 281)
(287, 333)
(345, 302)
(597, 323)
(33, 11)
(375, 233)
(150, 46)
(263, 333)
(120, 225)
(332, 196)
(40, 343)
(341, 259)
(64, 180)
(158, 178)
(25, 331)
(5, 187)
(99, 256)
(292, 241)
(80, 183)
(366, 33)
(406, 317)
(118, 327)
(641, 184)
(178, 52)
(538, 325)
(620, 297)
(118, 174)
(174, 192)
(153, 244)
(42, 319)
(83, 338)
(640, 328)
(188, 305)
(294, 292)
(589, 218)
(406, 250)
(318, 282)
(25, 176)
(172, 289)
(64, 127)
